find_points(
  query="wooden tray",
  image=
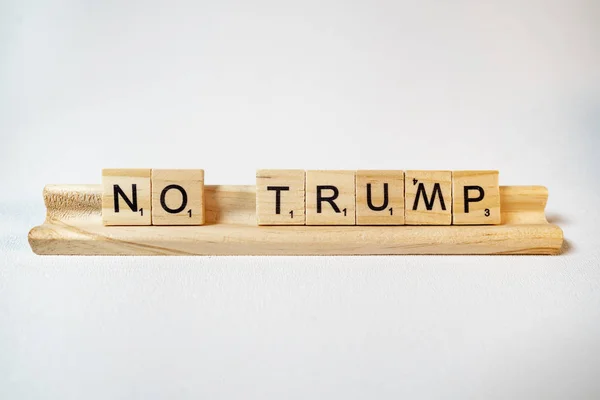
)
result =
(73, 226)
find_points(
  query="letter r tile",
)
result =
(330, 198)
(280, 197)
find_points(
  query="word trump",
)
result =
(296, 197)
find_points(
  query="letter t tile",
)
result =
(280, 197)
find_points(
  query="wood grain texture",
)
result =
(423, 188)
(337, 186)
(73, 226)
(288, 187)
(182, 191)
(481, 186)
(133, 185)
(382, 190)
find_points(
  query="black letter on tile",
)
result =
(429, 205)
(330, 199)
(385, 198)
(117, 191)
(183, 199)
(472, 199)
(278, 190)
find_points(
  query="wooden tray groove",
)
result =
(73, 226)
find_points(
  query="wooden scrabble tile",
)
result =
(476, 198)
(177, 197)
(280, 197)
(126, 197)
(428, 197)
(330, 198)
(380, 197)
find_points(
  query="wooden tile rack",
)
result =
(73, 226)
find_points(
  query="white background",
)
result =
(234, 86)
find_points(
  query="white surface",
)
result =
(233, 86)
